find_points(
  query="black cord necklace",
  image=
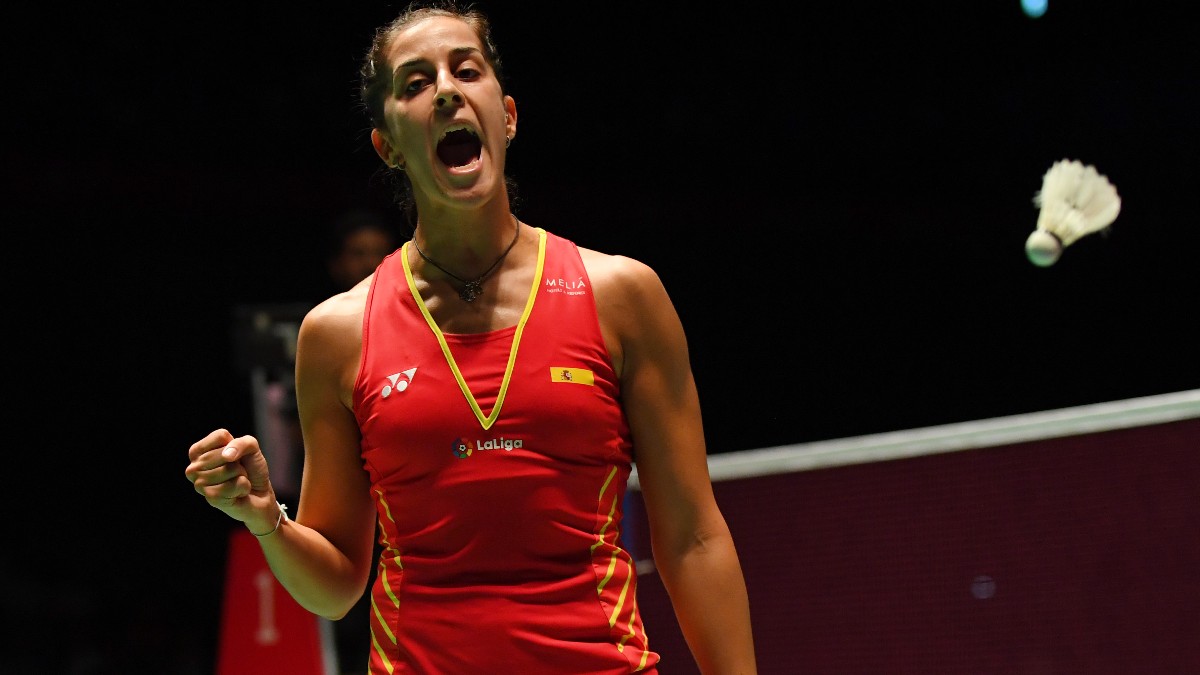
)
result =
(472, 288)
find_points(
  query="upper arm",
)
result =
(659, 396)
(335, 489)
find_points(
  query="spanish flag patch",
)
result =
(572, 375)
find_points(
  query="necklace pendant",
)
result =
(471, 291)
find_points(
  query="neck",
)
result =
(470, 284)
(466, 248)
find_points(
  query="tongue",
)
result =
(458, 149)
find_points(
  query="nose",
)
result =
(448, 95)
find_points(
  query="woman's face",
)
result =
(447, 120)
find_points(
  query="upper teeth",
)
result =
(456, 127)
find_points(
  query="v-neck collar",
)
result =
(485, 421)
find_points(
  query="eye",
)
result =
(468, 73)
(415, 85)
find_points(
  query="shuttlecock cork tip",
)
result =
(1043, 248)
(1075, 200)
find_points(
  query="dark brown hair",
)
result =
(375, 73)
(375, 80)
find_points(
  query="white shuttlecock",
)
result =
(1075, 200)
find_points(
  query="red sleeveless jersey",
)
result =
(498, 465)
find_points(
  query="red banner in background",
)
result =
(263, 629)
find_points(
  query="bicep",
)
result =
(335, 488)
(663, 408)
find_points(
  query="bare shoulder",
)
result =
(636, 314)
(618, 278)
(330, 339)
(333, 315)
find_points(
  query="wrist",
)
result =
(278, 521)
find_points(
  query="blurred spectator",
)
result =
(361, 238)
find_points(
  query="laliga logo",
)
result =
(464, 449)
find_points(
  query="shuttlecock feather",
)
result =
(1075, 200)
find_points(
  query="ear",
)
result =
(384, 149)
(510, 116)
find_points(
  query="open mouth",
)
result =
(459, 148)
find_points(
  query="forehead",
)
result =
(430, 38)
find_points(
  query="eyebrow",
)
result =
(457, 51)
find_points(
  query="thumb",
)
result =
(246, 451)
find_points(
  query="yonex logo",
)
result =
(398, 382)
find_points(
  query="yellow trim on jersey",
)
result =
(489, 420)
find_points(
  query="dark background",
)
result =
(836, 197)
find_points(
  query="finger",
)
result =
(215, 439)
(222, 473)
(227, 494)
(239, 448)
(228, 481)
(209, 460)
